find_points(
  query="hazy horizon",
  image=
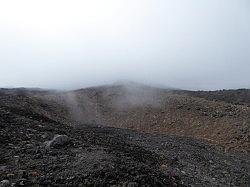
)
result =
(61, 44)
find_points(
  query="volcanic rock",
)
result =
(5, 183)
(58, 141)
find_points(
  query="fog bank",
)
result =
(64, 44)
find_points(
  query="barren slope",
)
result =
(161, 111)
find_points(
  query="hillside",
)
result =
(56, 138)
(164, 111)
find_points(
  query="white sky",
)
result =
(67, 44)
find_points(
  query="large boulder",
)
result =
(58, 141)
(5, 183)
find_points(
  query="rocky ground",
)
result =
(41, 145)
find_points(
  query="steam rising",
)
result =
(74, 108)
(136, 95)
(89, 106)
(83, 108)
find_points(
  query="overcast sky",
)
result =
(68, 44)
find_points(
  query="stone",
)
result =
(3, 168)
(132, 184)
(24, 182)
(164, 167)
(58, 141)
(23, 174)
(4, 183)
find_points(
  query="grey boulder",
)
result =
(58, 141)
